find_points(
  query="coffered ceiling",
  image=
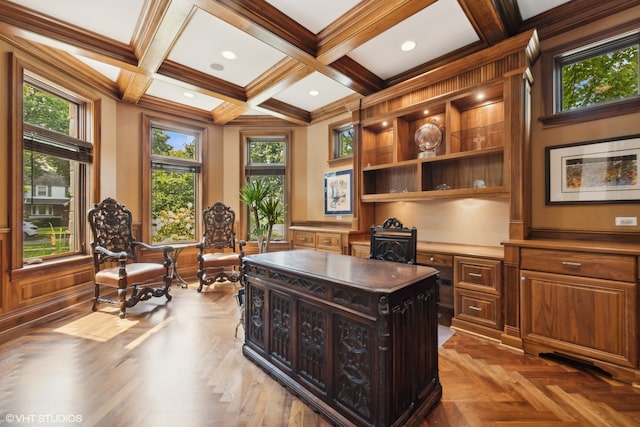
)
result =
(294, 60)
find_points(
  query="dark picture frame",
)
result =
(338, 192)
(599, 171)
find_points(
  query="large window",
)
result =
(175, 169)
(56, 157)
(598, 73)
(266, 158)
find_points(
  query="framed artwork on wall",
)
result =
(338, 192)
(602, 171)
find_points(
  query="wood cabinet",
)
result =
(469, 161)
(325, 239)
(478, 288)
(580, 302)
(357, 341)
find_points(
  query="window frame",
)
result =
(148, 123)
(586, 47)
(335, 129)
(245, 138)
(22, 70)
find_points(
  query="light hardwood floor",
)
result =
(178, 364)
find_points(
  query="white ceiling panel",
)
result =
(106, 70)
(530, 8)
(314, 15)
(172, 92)
(383, 56)
(328, 91)
(101, 17)
(206, 37)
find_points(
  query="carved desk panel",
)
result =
(355, 338)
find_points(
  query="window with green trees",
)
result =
(175, 175)
(266, 160)
(597, 74)
(56, 158)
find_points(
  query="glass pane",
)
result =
(343, 143)
(277, 183)
(266, 152)
(609, 77)
(173, 144)
(50, 218)
(173, 204)
(49, 111)
(50, 183)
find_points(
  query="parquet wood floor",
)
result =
(178, 364)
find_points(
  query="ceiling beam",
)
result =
(485, 19)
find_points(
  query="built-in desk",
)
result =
(355, 338)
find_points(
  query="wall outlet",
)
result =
(627, 221)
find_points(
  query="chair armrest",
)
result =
(167, 250)
(120, 256)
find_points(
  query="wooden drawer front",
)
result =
(477, 307)
(586, 264)
(442, 260)
(483, 274)
(329, 242)
(360, 251)
(304, 238)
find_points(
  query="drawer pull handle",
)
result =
(303, 238)
(327, 241)
(475, 274)
(473, 307)
(572, 264)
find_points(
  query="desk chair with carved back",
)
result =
(219, 259)
(393, 242)
(114, 252)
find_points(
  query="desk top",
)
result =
(369, 274)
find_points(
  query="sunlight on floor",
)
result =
(98, 326)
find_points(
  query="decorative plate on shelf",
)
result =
(428, 137)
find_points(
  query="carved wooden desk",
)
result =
(355, 338)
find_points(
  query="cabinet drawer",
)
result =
(304, 239)
(329, 242)
(477, 307)
(477, 273)
(586, 264)
(441, 260)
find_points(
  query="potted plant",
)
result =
(265, 208)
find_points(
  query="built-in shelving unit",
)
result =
(468, 161)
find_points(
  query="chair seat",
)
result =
(137, 273)
(220, 259)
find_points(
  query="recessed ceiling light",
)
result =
(228, 54)
(480, 96)
(188, 95)
(425, 112)
(408, 45)
(384, 123)
(217, 67)
(314, 93)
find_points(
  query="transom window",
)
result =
(599, 73)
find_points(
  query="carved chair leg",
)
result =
(96, 296)
(122, 298)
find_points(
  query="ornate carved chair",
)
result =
(218, 259)
(393, 242)
(114, 255)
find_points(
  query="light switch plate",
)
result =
(626, 221)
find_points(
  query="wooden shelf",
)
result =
(469, 161)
